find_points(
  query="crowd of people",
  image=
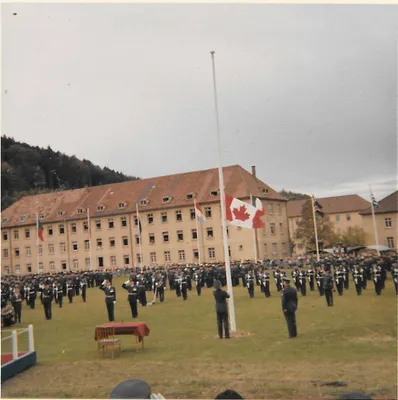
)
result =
(144, 286)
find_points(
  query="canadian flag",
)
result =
(243, 214)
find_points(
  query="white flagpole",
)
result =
(315, 228)
(37, 241)
(222, 198)
(254, 236)
(89, 239)
(374, 222)
(139, 235)
(197, 233)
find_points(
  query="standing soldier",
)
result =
(16, 301)
(267, 291)
(32, 295)
(132, 290)
(221, 297)
(394, 272)
(358, 278)
(295, 276)
(184, 286)
(58, 294)
(327, 284)
(70, 290)
(250, 284)
(377, 278)
(83, 285)
(289, 306)
(311, 278)
(142, 292)
(339, 279)
(110, 298)
(47, 298)
(319, 281)
(346, 271)
(160, 283)
(198, 282)
(303, 282)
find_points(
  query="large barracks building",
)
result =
(106, 218)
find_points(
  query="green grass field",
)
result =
(353, 342)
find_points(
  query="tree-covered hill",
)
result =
(31, 170)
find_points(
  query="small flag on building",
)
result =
(40, 230)
(318, 208)
(374, 201)
(199, 214)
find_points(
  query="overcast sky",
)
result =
(307, 93)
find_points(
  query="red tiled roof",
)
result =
(331, 205)
(388, 205)
(238, 183)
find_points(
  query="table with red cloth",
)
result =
(138, 329)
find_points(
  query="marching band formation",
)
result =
(329, 275)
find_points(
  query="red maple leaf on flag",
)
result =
(240, 213)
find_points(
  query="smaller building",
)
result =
(386, 221)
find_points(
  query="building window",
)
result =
(270, 209)
(388, 222)
(60, 213)
(139, 258)
(113, 259)
(166, 256)
(153, 257)
(40, 249)
(265, 248)
(29, 267)
(5, 253)
(180, 236)
(27, 251)
(87, 262)
(22, 219)
(196, 254)
(62, 247)
(64, 265)
(123, 221)
(17, 252)
(98, 224)
(76, 264)
(192, 213)
(100, 208)
(272, 228)
(144, 202)
(111, 224)
(74, 246)
(80, 211)
(50, 231)
(150, 219)
(41, 216)
(52, 265)
(281, 228)
(112, 242)
(284, 249)
(99, 243)
(390, 242)
(125, 241)
(16, 235)
(229, 251)
(164, 217)
(4, 221)
(181, 255)
(194, 234)
(135, 220)
(27, 233)
(85, 226)
(274, 249)
(51, 248)
(5, 236)
(279, 209)
(137, 239)
(86, 245)
(337, 218)
(126, 260)
(208, 212)
(17, 269)
(122, 205)
(152, 238)
(166, 199)
(165, 237)
(40, 267)
(62, 229)
(178, 215)
(210, 233)
(348, 217)
(189, 196)
(100, 261)
(212, 253)
(6, 269)
(73, 228)
(214, 193)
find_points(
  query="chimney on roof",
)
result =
(254, 171)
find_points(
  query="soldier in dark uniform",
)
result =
(47, 298)
(70, 290)
(377, 279)
(110, 298)
(303, 282)
(289, 306)
(132, 290)
(346, 272)
(189, 280)
(160, 287)
(319, 279)
(16, 301)
(311, 278)
(295, 276)
(32, 295)
(58, 294)
(266, 283)
(83, 285)
(327, 284)
(250, 284)
(358, 277)
(184, 286)
(221, 297)
(142, 292)
(394, 272)
(177, 284)
(339, 279)
(198, 282)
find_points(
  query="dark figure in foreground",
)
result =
(221, 297)
(289, 306)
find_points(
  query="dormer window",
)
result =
(166, 199)
(190, 196)
(100, 208)
(22, 219)
(122, 205)
(4, 221)
(265, 190)
(41, 216)
(214, 193)
(144, 202)
(60, 213)
(80, 211)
